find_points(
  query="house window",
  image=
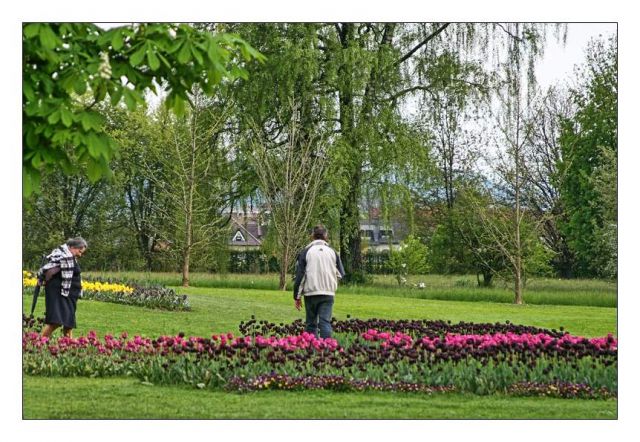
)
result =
(366, 234)
(238, 237)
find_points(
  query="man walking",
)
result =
(318, 269)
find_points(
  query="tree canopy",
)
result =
(68, 68)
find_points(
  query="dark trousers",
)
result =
(319, 309)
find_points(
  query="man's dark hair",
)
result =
(320, 232)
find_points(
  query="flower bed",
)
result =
(151, 296)
(483, 363)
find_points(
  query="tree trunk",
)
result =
(349, 212)
(185, 267)
(487, 278)
(149, 261)
(350, 252)
(518, 282)
(284, 264)
(282, 284)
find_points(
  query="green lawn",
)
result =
(218, 310)
(539, 291)
(79, 398)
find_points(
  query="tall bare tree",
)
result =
(290, 172)
(195, 183)
(544, 158)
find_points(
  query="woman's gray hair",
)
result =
(77, 243)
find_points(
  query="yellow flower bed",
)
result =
(106, 287)
(29, 280)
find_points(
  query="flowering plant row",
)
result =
(373, 359)
(413, 327)
(273, 381)
(152, 296)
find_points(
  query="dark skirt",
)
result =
(62, 309)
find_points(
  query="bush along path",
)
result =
(435, 357)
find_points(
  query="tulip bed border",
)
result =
(407, 356)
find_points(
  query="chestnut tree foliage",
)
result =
(68, 68)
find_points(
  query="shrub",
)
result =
(411, 259)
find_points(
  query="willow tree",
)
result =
(382, 67)
(355, 83)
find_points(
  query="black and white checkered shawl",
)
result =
(63, 258)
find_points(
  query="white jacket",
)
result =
(318, 269)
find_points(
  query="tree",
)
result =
(382, 66)
(290, 174)
(138, 134)
(589, 141)
(355, 79)
(543, 158)
(501, 244)
(68, 68)
(196, 178)
(506, 222)
(604, 181)
(298, 67)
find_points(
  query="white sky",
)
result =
(558, 62)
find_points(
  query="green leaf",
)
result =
(137, 56)
(154, 63)
(116, 95)
(48, 38)
(61, 136)
(164, 60)
(97, 144)
(66, 116)
(106, 37)
(32, 137)
(27, 90)
(36, 160)
(117, 41)
(129, 99)
(177, 105)
(31, 30)
(54, 117)
(101, 92)
(30, 181)
(197, 55)
(238, 72)
(94, 170)
(91, 121)
(185, 53)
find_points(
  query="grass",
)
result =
(539, 291)
(221, 310)
(216, 310)
(82, 398)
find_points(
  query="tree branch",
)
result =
(421, 44)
